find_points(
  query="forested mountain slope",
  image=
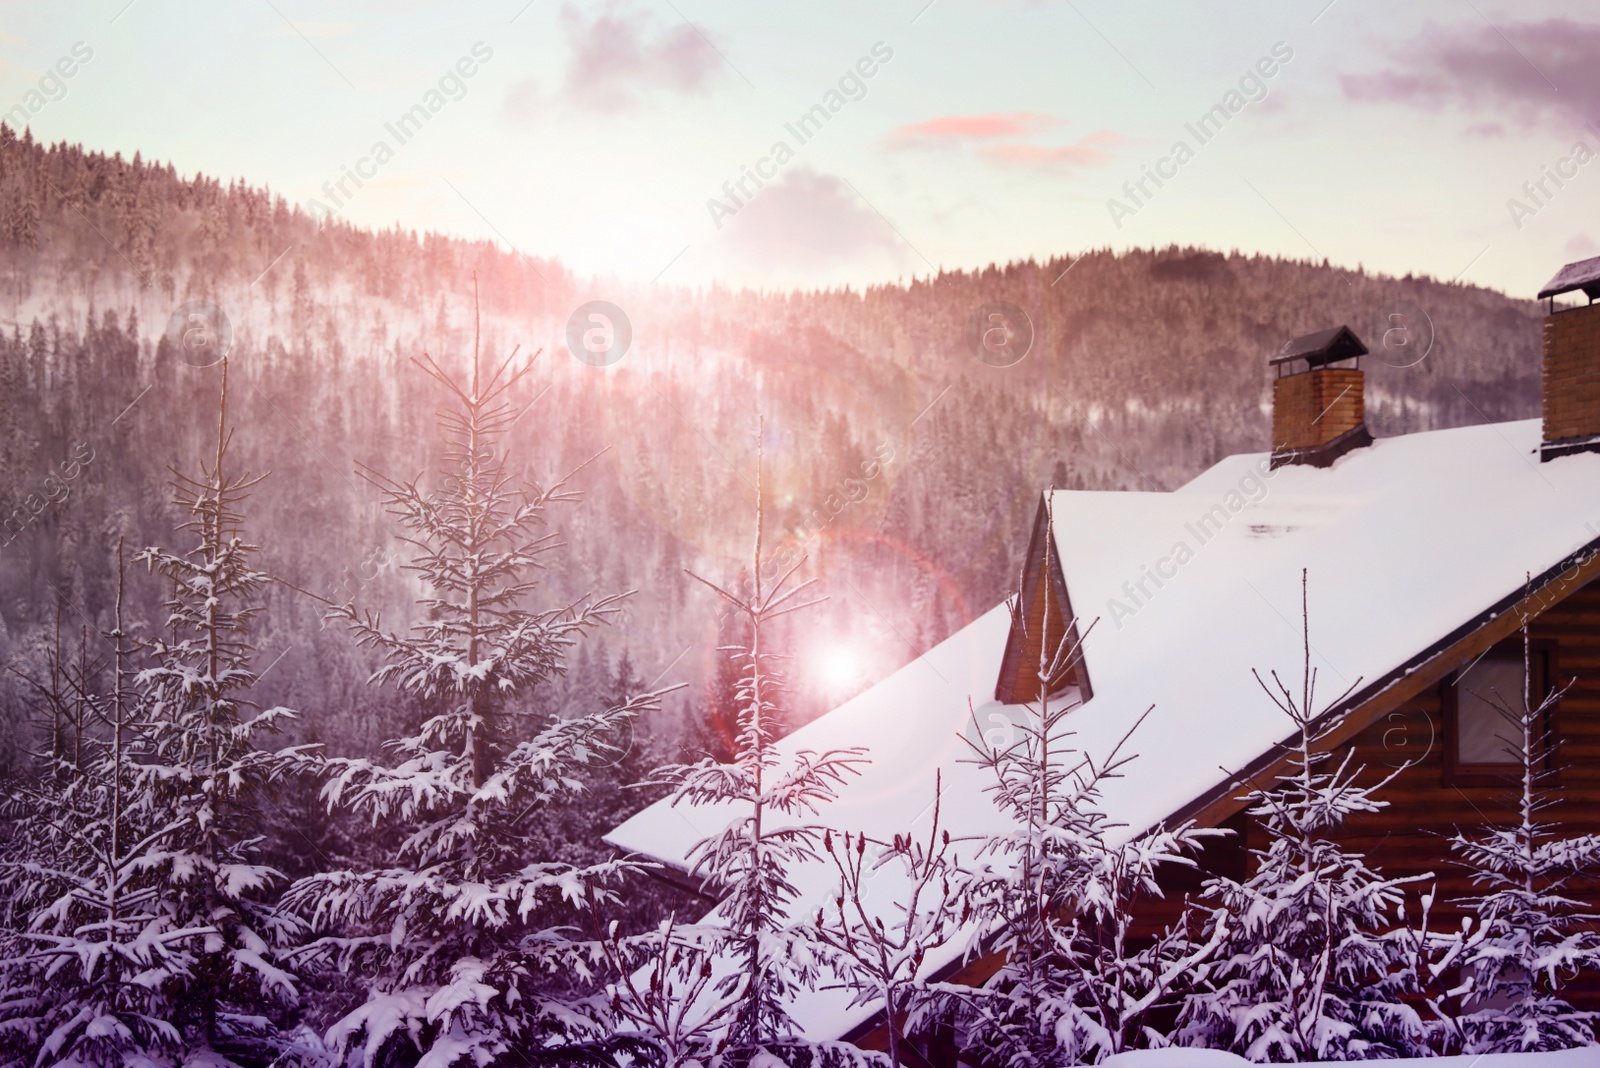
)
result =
(906, 468)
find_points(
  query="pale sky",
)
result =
(1392, 135)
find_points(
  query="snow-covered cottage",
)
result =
(1424, 552)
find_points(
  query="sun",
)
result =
(839, 667)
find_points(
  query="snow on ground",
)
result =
(1405, 541)
(1211, 1058)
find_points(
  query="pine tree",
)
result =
(718, 730)
(718, 991)
(1526, 937)
(616, 780)
(458, 939)
(1315, 961)
(84, 915)
(633, 765)
(134, 872)
(1059, 890)
(205, 762)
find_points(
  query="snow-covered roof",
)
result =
(1405, 541)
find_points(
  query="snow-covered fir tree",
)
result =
(1526, 937)
(135, 893)
(205, 761)
(463, 941)
(716, 992)
(1058, 898)
(83, 917)
(1315, 960)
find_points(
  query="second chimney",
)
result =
(1571, 393)
(1318, 410)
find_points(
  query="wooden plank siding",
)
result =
(1408, 837)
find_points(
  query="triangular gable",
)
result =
(1041, 618)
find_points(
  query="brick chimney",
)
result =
(1572, 363)
(1318, 410)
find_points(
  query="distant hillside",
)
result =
(1145, 368)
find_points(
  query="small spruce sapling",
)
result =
(1315, 962)
(733, 975)
(204, 763)
(1525, 937)
(84, 916)
(1059, 895)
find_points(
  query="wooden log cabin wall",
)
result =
(1434, 792)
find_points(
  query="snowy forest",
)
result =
(332, 650)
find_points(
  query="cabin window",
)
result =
(1483, 736)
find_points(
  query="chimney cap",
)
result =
(1581, 274)
(1321, 348)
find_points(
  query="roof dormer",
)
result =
(1044, 635)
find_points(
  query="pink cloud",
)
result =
(1088, 151)
(953, 129)
(1008, 128)
(1537, 73)
(619, 58)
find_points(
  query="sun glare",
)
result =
(839, 667)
